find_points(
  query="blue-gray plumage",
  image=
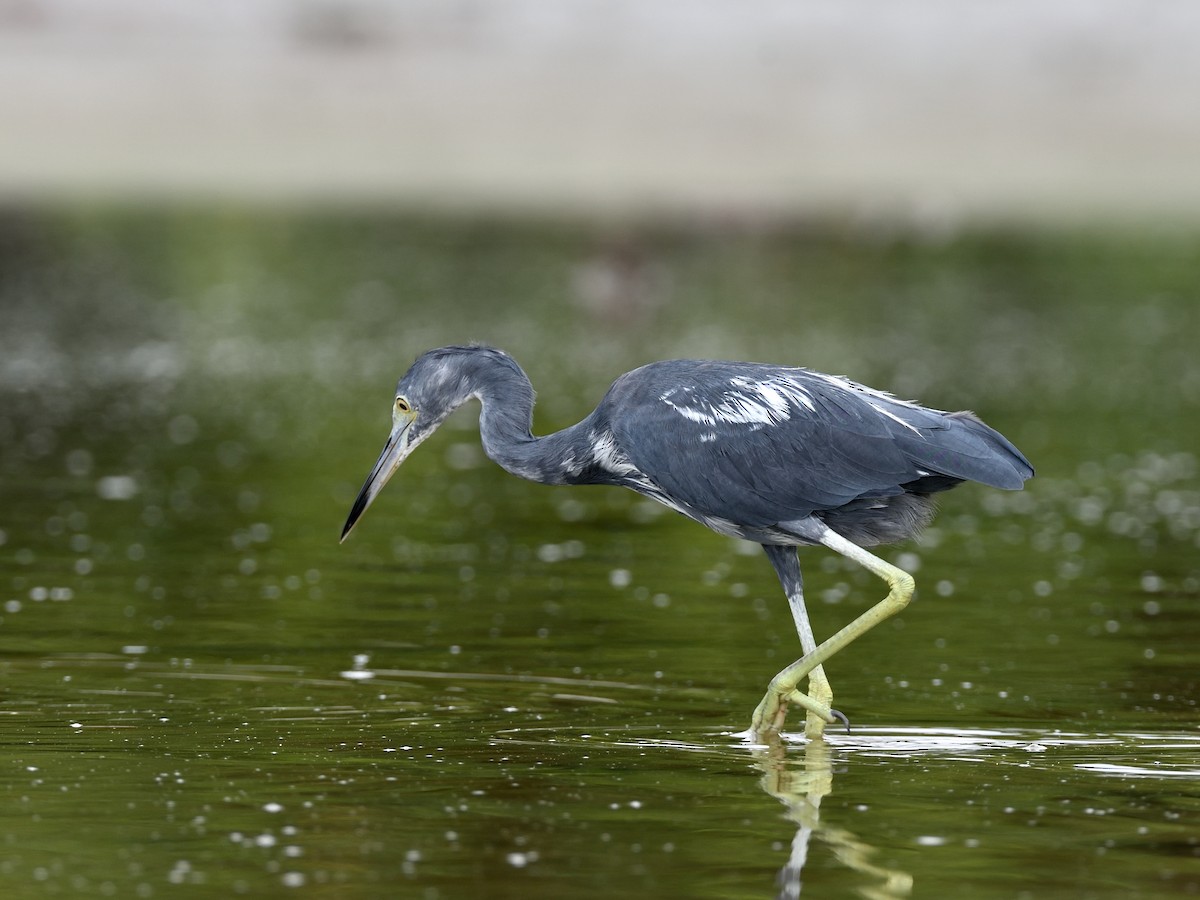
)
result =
(777, 455)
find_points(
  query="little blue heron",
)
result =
(785, 457)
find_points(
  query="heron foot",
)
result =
(771, 712)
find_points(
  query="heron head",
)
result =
(436, 385)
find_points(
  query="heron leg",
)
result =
(820, 694)
(769, 715)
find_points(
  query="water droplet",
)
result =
(116, 487)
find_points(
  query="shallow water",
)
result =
(500, 689)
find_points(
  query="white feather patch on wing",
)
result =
(747, 401)
(875, 398)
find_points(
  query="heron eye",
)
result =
(402, 405)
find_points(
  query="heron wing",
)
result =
(758, 445)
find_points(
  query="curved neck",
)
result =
(505, 428)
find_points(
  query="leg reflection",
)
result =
(801, 785)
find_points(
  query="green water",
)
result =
(499, 689)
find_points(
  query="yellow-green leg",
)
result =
(820, 695)
(820, 692)
(784, 687)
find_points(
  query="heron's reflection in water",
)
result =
(801, 784)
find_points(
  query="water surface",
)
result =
(501, 689)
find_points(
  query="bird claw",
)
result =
(818, 708)
(826, 714)
(772, 709)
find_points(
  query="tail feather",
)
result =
(968, 450)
